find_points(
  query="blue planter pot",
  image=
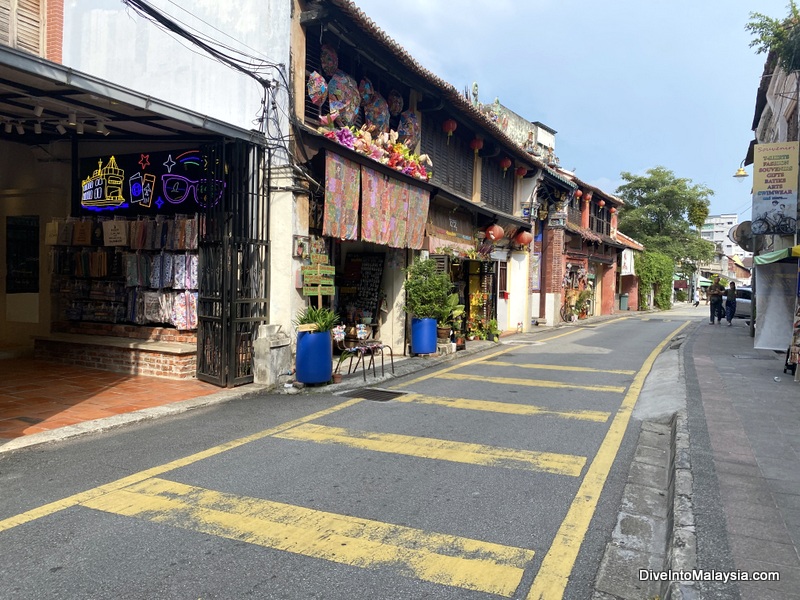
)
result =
(423, 336)
(314, 357)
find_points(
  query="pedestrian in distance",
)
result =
(730, 303)
(696, 298)
(715, 292)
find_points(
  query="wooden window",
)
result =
(502, 277)
(21, 25)
(497, 188)
(453, 162)
(599, 219)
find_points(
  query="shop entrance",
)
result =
(233, 298)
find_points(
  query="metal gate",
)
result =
(233, 263)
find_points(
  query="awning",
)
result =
(703, 282)
(771, 257)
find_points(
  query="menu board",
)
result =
(318, 277)
(361, 283)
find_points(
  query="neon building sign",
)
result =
(158, 182)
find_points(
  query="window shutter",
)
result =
(442, 263)
(5, 23)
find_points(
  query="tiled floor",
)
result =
(38, 396)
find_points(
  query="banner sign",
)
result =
(627, 262)
(775, 305)
(775, 169)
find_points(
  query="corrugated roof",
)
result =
(629, 242)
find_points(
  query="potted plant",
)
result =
(450, 311)
(314, 360)
(427, 291)
(492, 331)
(582, 303)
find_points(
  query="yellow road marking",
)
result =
(421, 447)
(477, 360)
(553, 575)
(560, 368)
(439, 558)
(505, 407)
(533, 382)
(70, 501)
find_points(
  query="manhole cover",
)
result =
(375, 394)
(751, 357)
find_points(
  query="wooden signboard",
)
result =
(318, 278)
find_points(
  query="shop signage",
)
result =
(318, 277)
(775, 169)
(148, 183)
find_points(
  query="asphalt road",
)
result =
(496, 476)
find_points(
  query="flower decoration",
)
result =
(317, 88)
(329, 59)
(382, 146)
(395, 101)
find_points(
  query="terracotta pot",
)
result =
(337, 378)
(443, 333)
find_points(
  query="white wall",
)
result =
(109, 40)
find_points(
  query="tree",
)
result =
(781, 37)
(666, 213)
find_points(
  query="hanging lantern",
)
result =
(523, 238)
(578, 194)
(449, 126)
(601, 203)
(494, 232)
(613, 209)
(476, 144)
(588, 197)
(521, 171)
(505, 163)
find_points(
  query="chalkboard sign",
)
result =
(22, 255)
(361, 283)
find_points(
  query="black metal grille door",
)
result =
(233, 299)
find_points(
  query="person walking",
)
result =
(730, 303)
(715, 292)
(696, 298)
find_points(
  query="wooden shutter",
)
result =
(5, 22)
(29, 25)
(442, 263)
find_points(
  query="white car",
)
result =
(744, 297)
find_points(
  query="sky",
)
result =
(628, 84)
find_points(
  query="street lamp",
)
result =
(740, 172)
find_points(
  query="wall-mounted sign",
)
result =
(775, 188)
(168, 182)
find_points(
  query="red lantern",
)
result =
(578, 193)
(523, 238)
(449, 126)
(521, 171)
(494, 232)
(476, 144)
(613, 209)
(505, 163)
(588, 197)
(601, 203)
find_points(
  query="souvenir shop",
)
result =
(120, 219)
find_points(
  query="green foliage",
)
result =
(681, 295)
(665, 213)
(451, 311)
(779, 37)
(655, 269)
(324, 318)
(582, 301)
(427, 292)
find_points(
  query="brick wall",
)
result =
(54, 30)
(156, 334)
(554, 271)
(118, 360)
(609, 283)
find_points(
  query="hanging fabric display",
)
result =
(374, 207)
(342, 187)
(397, 217)
(418, 205)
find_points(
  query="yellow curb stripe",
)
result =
(421, 447)
(70, 501)
(435, 557)
(560, 368)
(533, 382)
(505, 407)
(553, 575)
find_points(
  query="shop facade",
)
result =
(141, 228)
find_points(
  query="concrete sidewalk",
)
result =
(744, 425)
